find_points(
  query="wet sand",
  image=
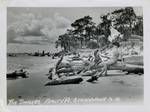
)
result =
(128, 88)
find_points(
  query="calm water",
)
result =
(30, 48)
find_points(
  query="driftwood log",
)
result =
(76, 80)
(64, 70)
(16, 75)
(135, 60)
(129, 68)
(136, 70)
(132, 64)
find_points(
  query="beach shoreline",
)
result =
(129, 88)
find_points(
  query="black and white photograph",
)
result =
(75, 55)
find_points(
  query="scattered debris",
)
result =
(18, 73)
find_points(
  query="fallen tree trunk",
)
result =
(119, 66)
(16, 75)
(76, 80)
(135, 60)
(79, 66)
(88, 73)
(64, 70)
(64, 65)
(136, 70)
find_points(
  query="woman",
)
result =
(92, 62)
(105, 65)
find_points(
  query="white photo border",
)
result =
(74, 3)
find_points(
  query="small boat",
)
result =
(73, 80)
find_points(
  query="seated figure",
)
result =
(103, 66)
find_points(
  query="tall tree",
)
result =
(138, 27)
(124, 21)
(104, 28)
(83, 28)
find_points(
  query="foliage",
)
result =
(138, 28)
(124, 21)
(84, 29)
(92, 44)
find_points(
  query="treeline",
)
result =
(84, 31)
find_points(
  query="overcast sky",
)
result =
(44, 25)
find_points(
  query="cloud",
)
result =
(29, 28)
(61, 21)
(11, 34)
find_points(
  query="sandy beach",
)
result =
(78, 37)
(127, 88)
